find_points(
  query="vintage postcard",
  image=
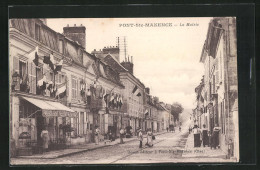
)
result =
(123, 90)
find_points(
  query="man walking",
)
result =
(140, 137)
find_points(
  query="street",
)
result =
(167, 148)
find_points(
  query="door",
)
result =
(40, 126)
(81, 123)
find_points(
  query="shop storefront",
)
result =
(35, 115)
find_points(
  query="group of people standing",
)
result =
(205, 137)
(150, 137)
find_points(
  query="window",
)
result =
(213, 88)
(61, 46)
(39, 72)
(37, 32)
(74, 87)
(22, 68)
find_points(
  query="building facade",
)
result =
(55, 84)
(219, 87)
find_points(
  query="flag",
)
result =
(115, 100)
(106, 97)
(49, 86)
(61, 92)
(40, 82)
(120, 102)
(58, 67)
(146, 112)
(136, 91)
(135, 88)
(51, 62)
(46, 59)
(33, 56)
(111, 101)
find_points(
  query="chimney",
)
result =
(147, 90)
(113, 51)
(76, 33)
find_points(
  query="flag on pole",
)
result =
(49, 86)
(146, 112)
(33, 56)
(120, 102)
(42, 81)
(58, 67)
(51, 62)
(61, 92)
(134, 90)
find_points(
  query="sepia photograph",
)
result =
(123, 90)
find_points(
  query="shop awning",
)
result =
(51, 109)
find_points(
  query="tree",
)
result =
(176, 110)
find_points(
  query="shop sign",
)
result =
(49, 113)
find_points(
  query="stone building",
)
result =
(219, 56)
(56, 84)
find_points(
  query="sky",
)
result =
(166, 59)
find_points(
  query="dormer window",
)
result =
(61, 46)
(37, 32)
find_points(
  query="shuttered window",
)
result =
(32, 77)
(61, 46)
(217, 71)
(37, 32)
(74, 87)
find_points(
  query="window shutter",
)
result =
(78, 90)
(67, 85)
(30, 76)
(33, 78)
(217, 72)
(16, 69)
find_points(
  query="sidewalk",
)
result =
(204, 154)
(80, 148)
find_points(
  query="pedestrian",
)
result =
(110, 137)
(122, 133)
(215, 137)
(167, 129)
(205, 137)
(97, 131)
(179, 128)
(140, 137)
(196, 132)
(149, 138)
(45, 139)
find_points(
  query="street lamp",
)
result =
(15, 78)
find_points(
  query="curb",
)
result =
(83, 150)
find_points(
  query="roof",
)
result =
(112, 61)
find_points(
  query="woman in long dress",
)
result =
(149, 138)
(196, 132)
(45, 139)
(205, 137)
